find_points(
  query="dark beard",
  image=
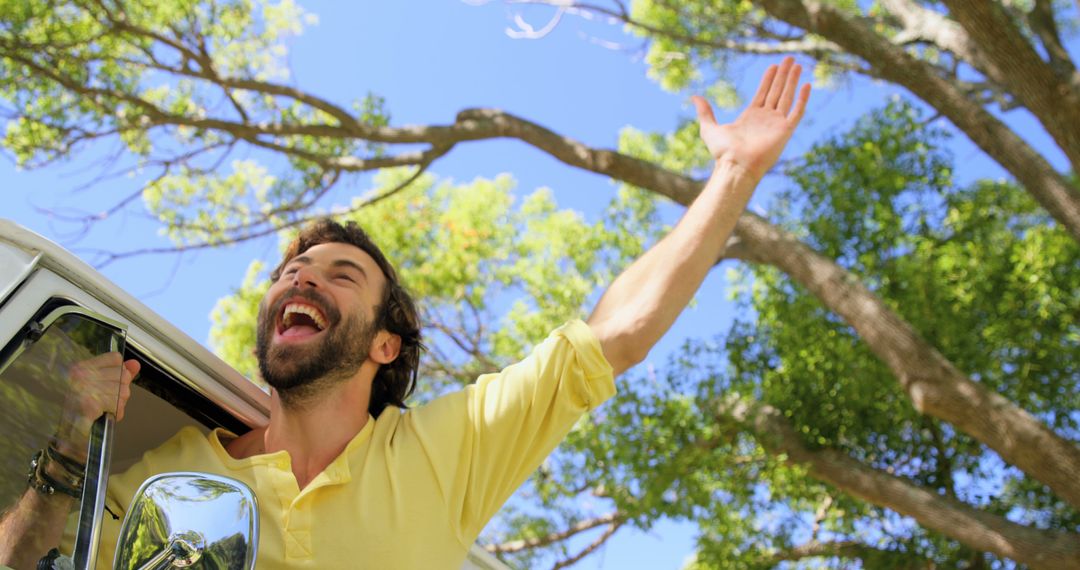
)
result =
(300, 373)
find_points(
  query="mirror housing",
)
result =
(190, 520)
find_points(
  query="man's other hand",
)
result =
(98, 385)
(756, 138)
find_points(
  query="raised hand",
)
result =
(758, 136)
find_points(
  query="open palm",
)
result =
(756, 138)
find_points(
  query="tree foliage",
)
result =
(902, 388)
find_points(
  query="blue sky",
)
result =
(430, 59)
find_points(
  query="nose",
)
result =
(306, 276)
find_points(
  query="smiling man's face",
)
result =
(315, 323)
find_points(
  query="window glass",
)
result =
(44, 379)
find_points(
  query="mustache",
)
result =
(310, 295)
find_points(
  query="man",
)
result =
(337, 335)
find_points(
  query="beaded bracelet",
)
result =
(41, 481)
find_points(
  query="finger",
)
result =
(778, 83)
(132, 368)
(791, 87)
(800, 106)
(704, 110)
(763, 88)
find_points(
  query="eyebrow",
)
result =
(303, 259)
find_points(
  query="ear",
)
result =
(385, 348)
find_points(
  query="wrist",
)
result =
(72, 441)
(735, 175)
(53, 474)
(733, 160)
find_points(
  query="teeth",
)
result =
(308, 310)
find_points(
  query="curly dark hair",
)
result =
(396, 313)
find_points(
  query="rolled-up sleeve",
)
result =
(511, 421)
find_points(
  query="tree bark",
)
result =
(1039, 549)
(1049, 96)
(893, 64)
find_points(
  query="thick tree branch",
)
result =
(921, 22)
(892, 63)
(1054, 99)
(1039, 549)
(354, 163)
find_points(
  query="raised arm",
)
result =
(643, 302)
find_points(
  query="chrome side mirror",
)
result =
(190, 520)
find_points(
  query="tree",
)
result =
(930, 423)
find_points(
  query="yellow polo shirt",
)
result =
(413, 489)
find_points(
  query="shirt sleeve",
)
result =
(511, 421)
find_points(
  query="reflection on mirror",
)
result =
(190, 520)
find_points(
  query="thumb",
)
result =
(704, 110)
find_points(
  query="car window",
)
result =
(35, 379)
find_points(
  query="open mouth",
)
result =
(298, 319)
